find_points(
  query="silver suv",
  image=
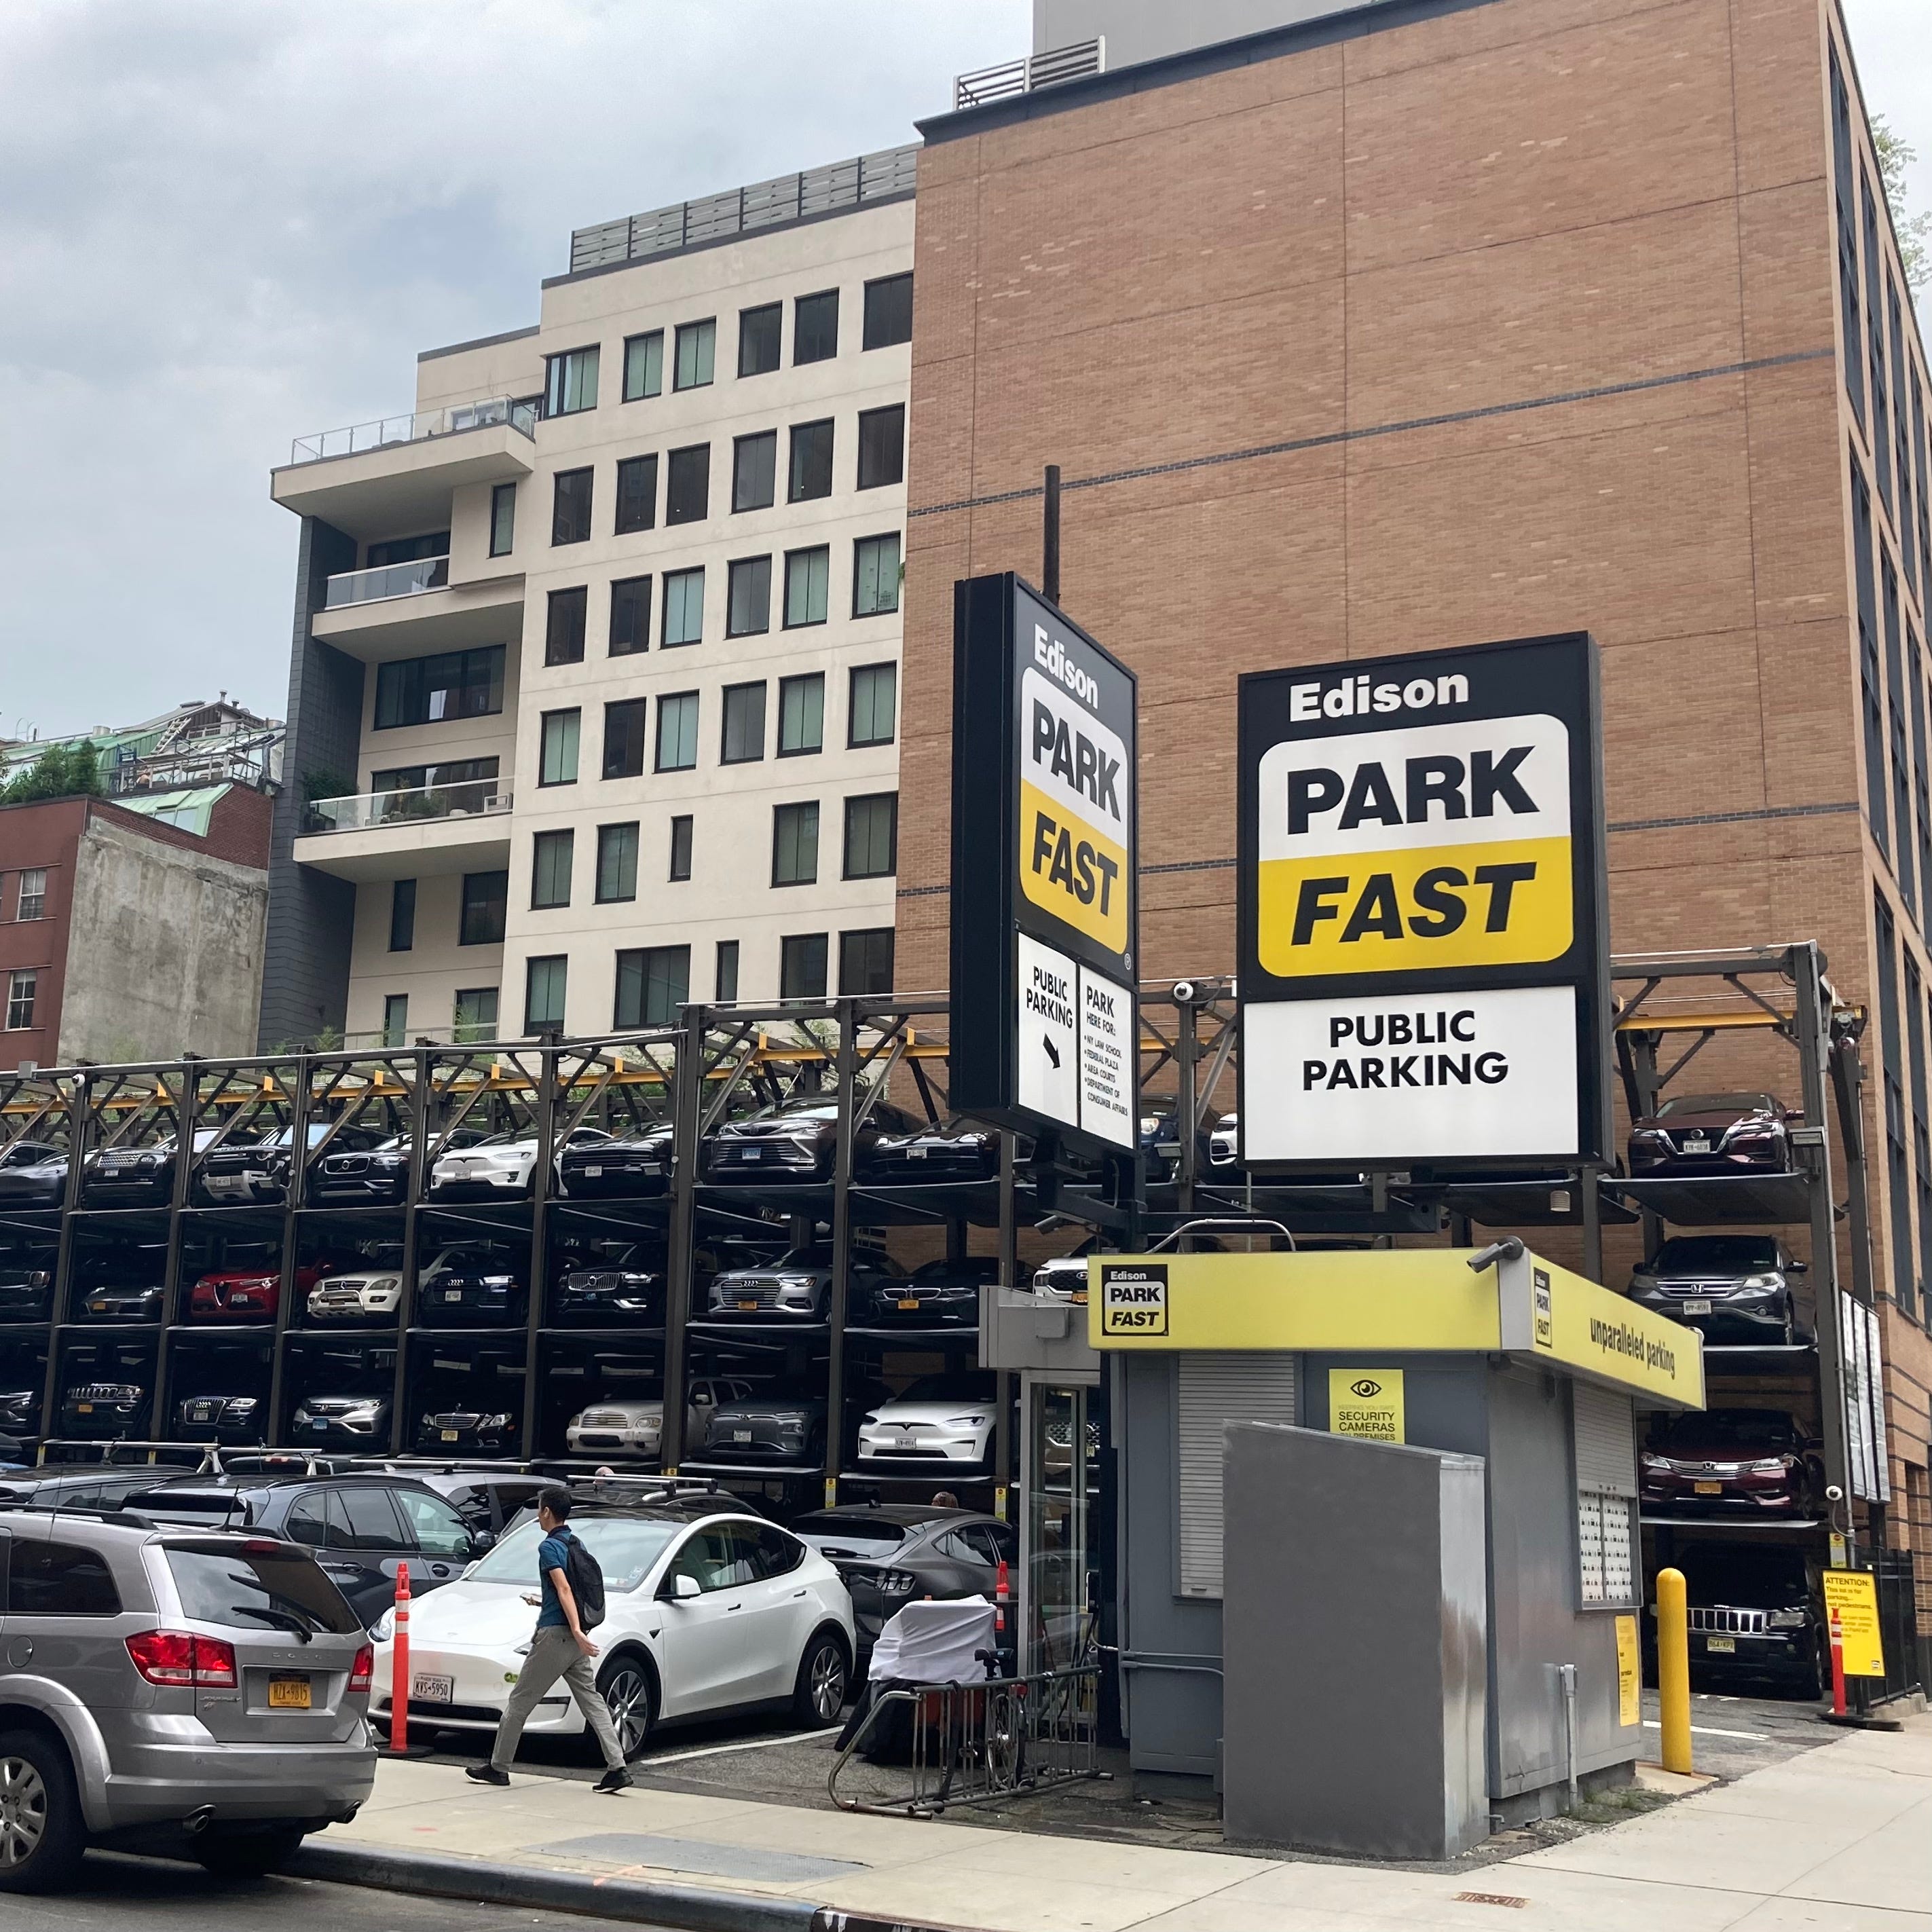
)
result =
(160, 1685)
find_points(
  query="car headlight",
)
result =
(496, 1422)
(382, 1284)
(795, 1281)
(964, 1421)
(428, 1420)
(384, 1627)
(1651, 1461)
(1787, 1619)
(873, 1416)
(1771, 1465)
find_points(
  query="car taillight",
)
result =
(175, 1659)
(362, 1672)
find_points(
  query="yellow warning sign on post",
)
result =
(1367, 1403)
(1630, 1674)
(1851, 1608)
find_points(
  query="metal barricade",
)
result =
(970, 1742)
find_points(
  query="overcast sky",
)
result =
(226, 223)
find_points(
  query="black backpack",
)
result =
(586, 1582)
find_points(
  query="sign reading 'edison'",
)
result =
(1421, 886)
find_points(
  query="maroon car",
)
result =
(1713, 1133)
(1731, 1462)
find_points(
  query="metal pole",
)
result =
(285, 1307)
(1049, 560)
(550, 1095)
(846, 1067)
(1010, 1278)
(187, 1110)
(687, 1105)
(1589, 1185)
(405, 1303)
(1187, 1099)
(80, 1109)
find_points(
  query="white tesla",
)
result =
(944, 1420)
(720, 1614)
(499, 1168)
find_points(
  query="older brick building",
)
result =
(1433, 322)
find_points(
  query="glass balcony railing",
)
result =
(488, 412)
(387, 580)
(369, 809)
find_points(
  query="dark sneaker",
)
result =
(618, 1779)
(488, 1774)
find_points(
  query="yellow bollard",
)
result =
(1673, 1669)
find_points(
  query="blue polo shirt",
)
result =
(553, 1553)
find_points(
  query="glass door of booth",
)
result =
(1061, 1479)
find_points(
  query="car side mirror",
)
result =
(1797, 1268)
(684, 1589)
(481, 1541)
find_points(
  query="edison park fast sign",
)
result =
(1045, 904)
(1422, 945)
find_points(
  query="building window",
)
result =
(563, 634)
(486, 899)
(570, 382)
(680, 846)
(688, 495)
(630, 616)
(807, 573)
(802, 967)
(795, 843)
(550, 870)
(888, 311)
(875, 690)
(748, 606)
(677, 732)
(557, 755)
(644, 366)
(881, 447)
(801, 715)
(865, 958)
(32, 902)
(683, 607)
(636, 494)
(406, 550)
(395, 1019)
(744, 724)
(543, 982)
(875, 575)
(475, 1017)
(872, 835)
(570, 513)
(22, 985)
(432, 690)
(724, 979)
(617, 863)
(653, 982)
(814, 336)
(758, 339)
(697, 348)
(502, 519)
(624, 738)
(811, 462)
(403, 916)
(753, 470)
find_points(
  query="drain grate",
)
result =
(1490, 1898)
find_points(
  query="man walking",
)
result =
(560, 1649)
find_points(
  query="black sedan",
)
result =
(939, 1294)
(1695, 1134)
(242, 1175)
(955, 1150)
(462, 1429)
(123, 1283)
(794, 1143)
(627, 1165)
(887, 1554)
(104, 1412)
(133, 1176)
(623, 1283)
(796, 1287)
(376, 1177)
(477, 1285)
(234, 1421)
(26, 1284)
(32, 1175)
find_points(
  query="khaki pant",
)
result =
(554, 1654)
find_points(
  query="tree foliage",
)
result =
(1895, 155)
(62, 771)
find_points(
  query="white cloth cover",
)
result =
(935, 1643)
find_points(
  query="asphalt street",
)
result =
(118, 1894)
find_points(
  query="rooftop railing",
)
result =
(1022, 77)
(766, 204)
(369, 809)
(387, 580)
(487, 412)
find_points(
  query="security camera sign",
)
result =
(1422, 950)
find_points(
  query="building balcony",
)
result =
(376, 479)
(400, 835)
(409, 610)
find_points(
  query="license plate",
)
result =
(452, 1434)
(1708, 1489)
(1720, 1646)
(753, 1153)
(748, 1307)
(1080, 1295)
(288, 1694)
(1696, 1308)
(83, 1408)
(452, 1294)
(592, 1173)
(424, 1690)
(741, 1435)
(909, 1306)
(917, 1152)
(1696, 1144)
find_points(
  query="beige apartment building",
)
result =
(594, 700)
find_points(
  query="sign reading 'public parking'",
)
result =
(1045, 1032)
(1421, 884)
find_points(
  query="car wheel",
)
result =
(1817, 1678)
(824, 1675)
(248, 1854)
(41, 1834)
(1790, 1324)
(625, 1685)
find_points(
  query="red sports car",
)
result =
(246, 1294)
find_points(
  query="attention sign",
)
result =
(1421, 886)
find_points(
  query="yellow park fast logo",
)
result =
(1432, 845)
(1075, 788)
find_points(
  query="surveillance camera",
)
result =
(1833, 1494)
(1183, 992)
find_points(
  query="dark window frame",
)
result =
(551, 840)
(402, 915)
(794, 452)
(797, 946)
(682, 838)
(739, 692)
(575, 528)
(634, 638)
(475, 908)
(678, 698)
(556, 379)
(853, 742)
(871, 935)
(792, 559)
(543, 746)
(805, 329)
(502, 539)
(674, 516)
(796, 814)
(881, 291)
(801, 682)
(643, 394)
(890, 869)
(626, 726)
(637, 961)
(629, 468)
(610, 858)
(759, 314)
(566, 622)
(894, 412)
(681, 329)
(754, 443)
(743, 570)
(532, 1024)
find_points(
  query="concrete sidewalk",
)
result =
(1839, 1837)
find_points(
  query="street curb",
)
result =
(653, 1902)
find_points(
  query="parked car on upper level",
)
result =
(888, 1554)
(795, 1142)
(498, 1168)
(928, 1151)
(248, 1294)
(364, 1293)
(634, 1164)
(1732, 1462)
(796, 1286)
(213, 1688)
(236, 1420)
(636, 1428)
(462, 1425)
(135, 1176)
(941, 1420)
(1700, 1134)
(358, 1421)
(124, 1282)
(26, 1283)
(939, 1294)
(378, 1176)
(764, 1427)
(1737, 1288)
(469, 1284)
(236, 1175)
(1064, 1277)
(620, 1283)
(33, 1173)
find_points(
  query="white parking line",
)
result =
(1707, 1731)
(801, 1737)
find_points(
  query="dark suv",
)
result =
(136, 1177)
(376, 1177)
(1696, 1134)
(236, 1176)
(478, 1283)
(1731, 1288)
(1752, 1614)
(795, 1142)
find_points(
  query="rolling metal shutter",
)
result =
(1603, 1429)
(1606, 1431)
(1215, 1389)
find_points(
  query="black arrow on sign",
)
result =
(1052, 1052)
